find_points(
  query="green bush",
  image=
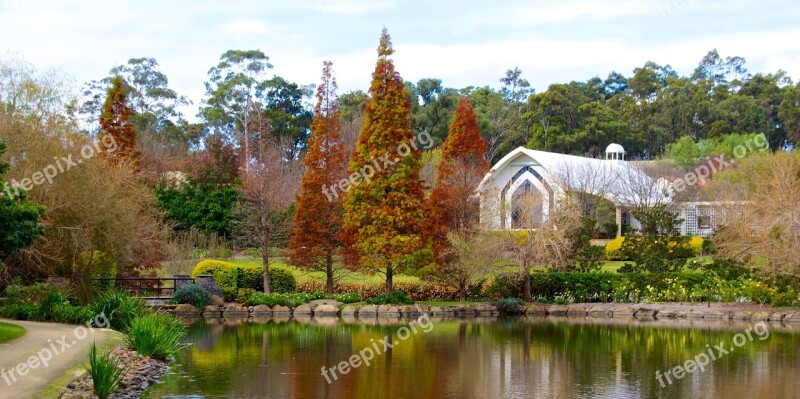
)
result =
(347, 298)
(508, 306)
(106, 373)
(193, 294)
(260, 298)
(244, 294)
(226, 274)
(505, 287)
(396, 298)
(155, 335)
(574, 287)
(281, 281)
(119, 308)
(253, 277)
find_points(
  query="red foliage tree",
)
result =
(114, 122)
(463, 164)
(385, 220)
(318, 216)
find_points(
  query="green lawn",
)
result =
(10, 331)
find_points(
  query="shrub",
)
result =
(101, 266)
(613, 249)
(226, 274)
(347, 298)
(505, 287)
(697, 245)
(253, 277)
(508, 305)
(281, 281)
(573, 287)
(396, 298)
(244, 294)
(119, 308)
(106, 373)
(784, 299)
(155, 335)
(260, 298)
(193, 294)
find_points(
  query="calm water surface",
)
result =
(496, 358)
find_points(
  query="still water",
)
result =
(485, 358)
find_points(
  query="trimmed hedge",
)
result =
(231, 277)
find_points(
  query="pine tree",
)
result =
(114, 122)
(463, 164)
(318, 217)
(385, 211)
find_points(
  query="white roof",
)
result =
(615, 148)
(616, 180)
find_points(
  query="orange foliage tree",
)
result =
(114, 122)
(318, 216)
(385, 221)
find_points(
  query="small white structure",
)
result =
(551, 177)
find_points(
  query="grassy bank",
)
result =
(10, 332)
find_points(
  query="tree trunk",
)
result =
(389, 288)
(526, 277)
(329, 272)
(265, 259)
(462, 289)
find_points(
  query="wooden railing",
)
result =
(146, 287)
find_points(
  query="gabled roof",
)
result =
(616, 180)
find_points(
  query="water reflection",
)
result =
(507, 358)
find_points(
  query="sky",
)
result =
(463, 43)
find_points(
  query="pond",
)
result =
(485, 358)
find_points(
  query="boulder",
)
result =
(645, 313)
(212, 311)
(422, 309)
(186, 309)
(279, 310)
(535, 309)
(485, 309)
(764, 315)
(261, 311)
(217, 300)
(695, 314)
(624, 311)
(235, 311)
(349, 311)
(716, 315)
(576, 311)
(742, 315)
(303, 310)
(792, 317)
(368, 311)
(667, 314)
(441, 311)
(409, 311)
(597, 311)
(388, 311)
(557, 310)
(326, 310)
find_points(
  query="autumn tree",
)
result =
(462, 167)
(385, 211)
(318, 218)
(114, 122)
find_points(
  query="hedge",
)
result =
(231, 277)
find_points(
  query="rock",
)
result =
(535, 309)
(742, 315)
(217, 300)
(793, 317)
(368, 311)
(326, 310)
(717, 315)
(695, 314)
(441, 311)
(576, 311)
(422, 309)
(388, 311)
(624, 311)
(409, 311)
(763, 315)
(597, 311)
(279, 310)
(303, 310)
(557, 310)
(212, 311)
(349, 311)
(485, 309)
(261, 311)
(645, 313)
(186, 309)
(667, 314)
(235, 311)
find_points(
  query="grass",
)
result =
(10, 332)
(106, 374)
(155, 335)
